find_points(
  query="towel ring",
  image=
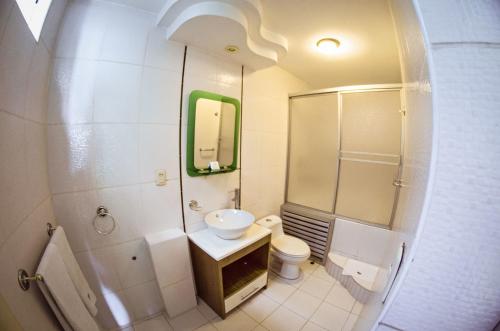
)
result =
(101, 213)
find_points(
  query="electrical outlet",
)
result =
(161, 177)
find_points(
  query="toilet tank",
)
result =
(273, 223)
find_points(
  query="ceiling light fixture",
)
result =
(328, 45)
(231, 49)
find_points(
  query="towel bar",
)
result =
(22, 276)
(51, 229)
(24, 280)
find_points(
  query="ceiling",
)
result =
(368, 52)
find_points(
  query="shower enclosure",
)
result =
(344, 152)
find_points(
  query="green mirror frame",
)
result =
(193, 98)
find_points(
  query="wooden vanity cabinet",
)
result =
(226, 283)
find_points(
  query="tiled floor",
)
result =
(315, 302)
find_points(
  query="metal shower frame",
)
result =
(339, 91)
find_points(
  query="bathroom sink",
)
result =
(229, 223)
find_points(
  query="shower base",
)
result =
(359, 278)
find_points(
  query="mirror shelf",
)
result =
(212, 134)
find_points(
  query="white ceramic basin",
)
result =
(229, 223)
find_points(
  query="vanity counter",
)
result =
(219, 248)
(229, 272)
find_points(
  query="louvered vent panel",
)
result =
(312, 226)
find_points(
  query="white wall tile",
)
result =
(97, 266)
(144, 300)
(482, 15)
(346, 237)
(36, 164)
(114, 310)
(126, 35)
(71, 94)
(178, 256)
(5, 9)
(37, 87)
(159, 149)
(16, 50)
(82, 29)
(200, 64)
(161, 207)
(228, 73)
(124, 204)
(75, 213)
(117, 154)
(462, 221)
(52, 22)
(116, 94)
(132, 271)
(161, 53)
(13, 180)
(179, 297)
(71, 158)
(160, 96)
(264, 138)
(373, 243)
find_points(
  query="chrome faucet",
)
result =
(236, 198)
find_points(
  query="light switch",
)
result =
(161, 177)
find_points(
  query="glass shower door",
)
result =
(370, 155)
(313, 151)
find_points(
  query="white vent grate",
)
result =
(312, 226)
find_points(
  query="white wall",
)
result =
(113, 120)
(25, 201)
(363, 242)
(208, 73)
(452, 283)
(264, 138)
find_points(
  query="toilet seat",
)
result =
(290, 246)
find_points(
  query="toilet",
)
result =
(289, 251)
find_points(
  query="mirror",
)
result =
(213, 132)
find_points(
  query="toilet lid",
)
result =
(289, 245)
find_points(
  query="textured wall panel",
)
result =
(454, 282)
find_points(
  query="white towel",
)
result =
(63, 292)
(88, 297)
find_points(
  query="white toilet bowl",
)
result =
(288, 250)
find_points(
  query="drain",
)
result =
(359, 273)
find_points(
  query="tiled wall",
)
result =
(208, 73)
(419, 124)
(25, 201)
(113, 120)
(453, 282)
(363, 242)
(264, 138)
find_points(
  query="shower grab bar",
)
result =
(368, 161)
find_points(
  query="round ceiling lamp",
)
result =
(328, 45)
